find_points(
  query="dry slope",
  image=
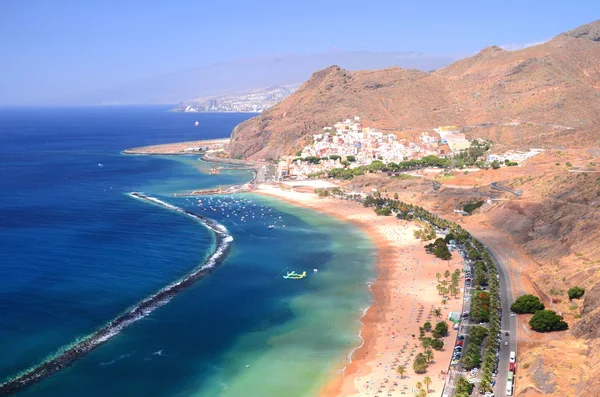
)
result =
(554, 84)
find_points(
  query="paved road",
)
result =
(495, 185)
(508, 323)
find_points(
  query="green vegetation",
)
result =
(401, 371)
(547, 321)
(425, 234)
(440, 330)
(405, 177)
(576, 292)
(439, 249)
(472, 355)
(527, 304)
(437, 344)
(509, 163)
(464, 388)
(334, 157)
(480, 306)
(479, 274)
(351, 159)
(420, 364)
(495, 164)
(470, 207)
(299, 153)
(383, 211)
(568, 164)
(322, 192)
(377, 166)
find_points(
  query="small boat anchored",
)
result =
(196, 124)
(294, 276)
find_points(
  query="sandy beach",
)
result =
(405, 296)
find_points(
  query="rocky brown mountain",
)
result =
(552, 85)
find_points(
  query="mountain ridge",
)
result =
(553, 83)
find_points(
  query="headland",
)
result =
(181, 148)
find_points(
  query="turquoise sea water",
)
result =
(77, 251)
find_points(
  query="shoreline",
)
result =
(371, 366)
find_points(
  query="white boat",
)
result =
(196, 124)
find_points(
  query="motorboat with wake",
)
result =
(294, 276)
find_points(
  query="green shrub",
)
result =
(442, 328)
(527, 304)
(576, 292)
(547, 321)
(439, 249)
(383, 211)
(437, 344)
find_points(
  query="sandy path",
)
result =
(404, 297)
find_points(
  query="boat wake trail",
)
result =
(68, 354)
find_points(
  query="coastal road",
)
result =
(508, 323)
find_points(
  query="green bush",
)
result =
(383, 211)
(439, 249)
(437, 344)
(527, 304)
(547, 321)
(442, 328)
(576, 292)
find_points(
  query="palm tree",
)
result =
(429, 355)
(444, 301)
(438, 275)
(426, 342)
(437, 313)
(427, 381)
(419, 385)
(447, 273)
(401, 371)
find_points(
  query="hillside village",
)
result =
(349, 145)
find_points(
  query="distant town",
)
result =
(348, 145)
(251, 101)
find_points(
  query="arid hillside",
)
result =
(553, 89)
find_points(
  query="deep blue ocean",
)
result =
(76, 251)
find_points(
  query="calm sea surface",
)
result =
(76, 250)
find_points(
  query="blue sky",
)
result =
(62, 47)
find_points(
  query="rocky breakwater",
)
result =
(69, 354)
